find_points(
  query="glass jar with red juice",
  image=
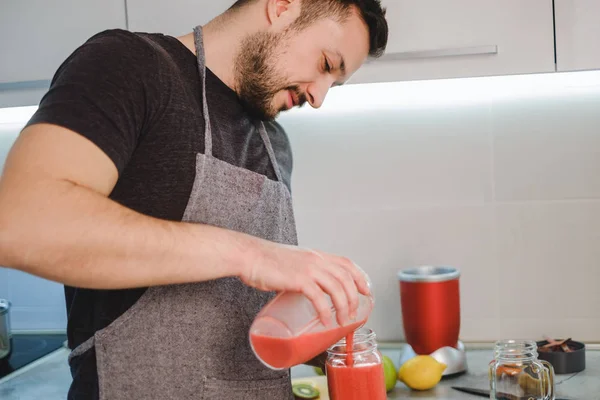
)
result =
(355, 368)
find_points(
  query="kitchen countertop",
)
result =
(49, 378)
(584, 385)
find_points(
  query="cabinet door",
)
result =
(37, 35)
(432, 39)
(577, 34)
(172, 17)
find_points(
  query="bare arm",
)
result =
(57, 222)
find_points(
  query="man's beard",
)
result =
(257, 80)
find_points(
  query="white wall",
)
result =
(498, 177)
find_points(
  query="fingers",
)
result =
(347, 283)
(315, 294)
(335, 289)
(360, 277)
(342, 280)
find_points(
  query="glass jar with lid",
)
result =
(355, 368)
(517, 372)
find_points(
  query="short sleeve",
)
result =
(105, 91)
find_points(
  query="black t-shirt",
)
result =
(138, 97)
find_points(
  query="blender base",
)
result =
(454, 357)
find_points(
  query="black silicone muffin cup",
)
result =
(565, 363)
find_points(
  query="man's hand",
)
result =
(314, 274)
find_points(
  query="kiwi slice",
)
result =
(305, 391)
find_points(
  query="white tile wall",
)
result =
(548, 149)
(39, 318)
(40, 292)
(389, 159)
(503, 186)
(37, 304)
(382, 241)
(548, 254)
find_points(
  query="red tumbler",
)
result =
(430, 299)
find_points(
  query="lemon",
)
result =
(421, 372)
(389, 371)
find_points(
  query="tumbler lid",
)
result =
(428, 273)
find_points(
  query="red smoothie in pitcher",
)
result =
(288, 352)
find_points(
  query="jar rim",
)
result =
(511, 349)
(515, 344)
(362, 336)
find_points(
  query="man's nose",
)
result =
(317, 92)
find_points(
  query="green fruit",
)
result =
(305, 391)
(390, 373)
(318, 371)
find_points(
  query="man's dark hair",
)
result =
(371, 11)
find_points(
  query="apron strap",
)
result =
(82, 348)
(267, 142)
(198, 42)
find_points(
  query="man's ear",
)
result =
(277, 9)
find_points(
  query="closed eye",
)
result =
(327, 67)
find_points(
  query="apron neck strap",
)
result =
(201, 59)
(267, 142)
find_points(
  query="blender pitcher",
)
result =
(288, 330)
(516, 371)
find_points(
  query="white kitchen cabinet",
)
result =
(431, 39)
(172, 17)
(577, 34)
(36, 36)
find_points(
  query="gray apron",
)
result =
(191, 341)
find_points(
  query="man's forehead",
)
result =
(352, 45)
(344, 41)
(348, 31)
